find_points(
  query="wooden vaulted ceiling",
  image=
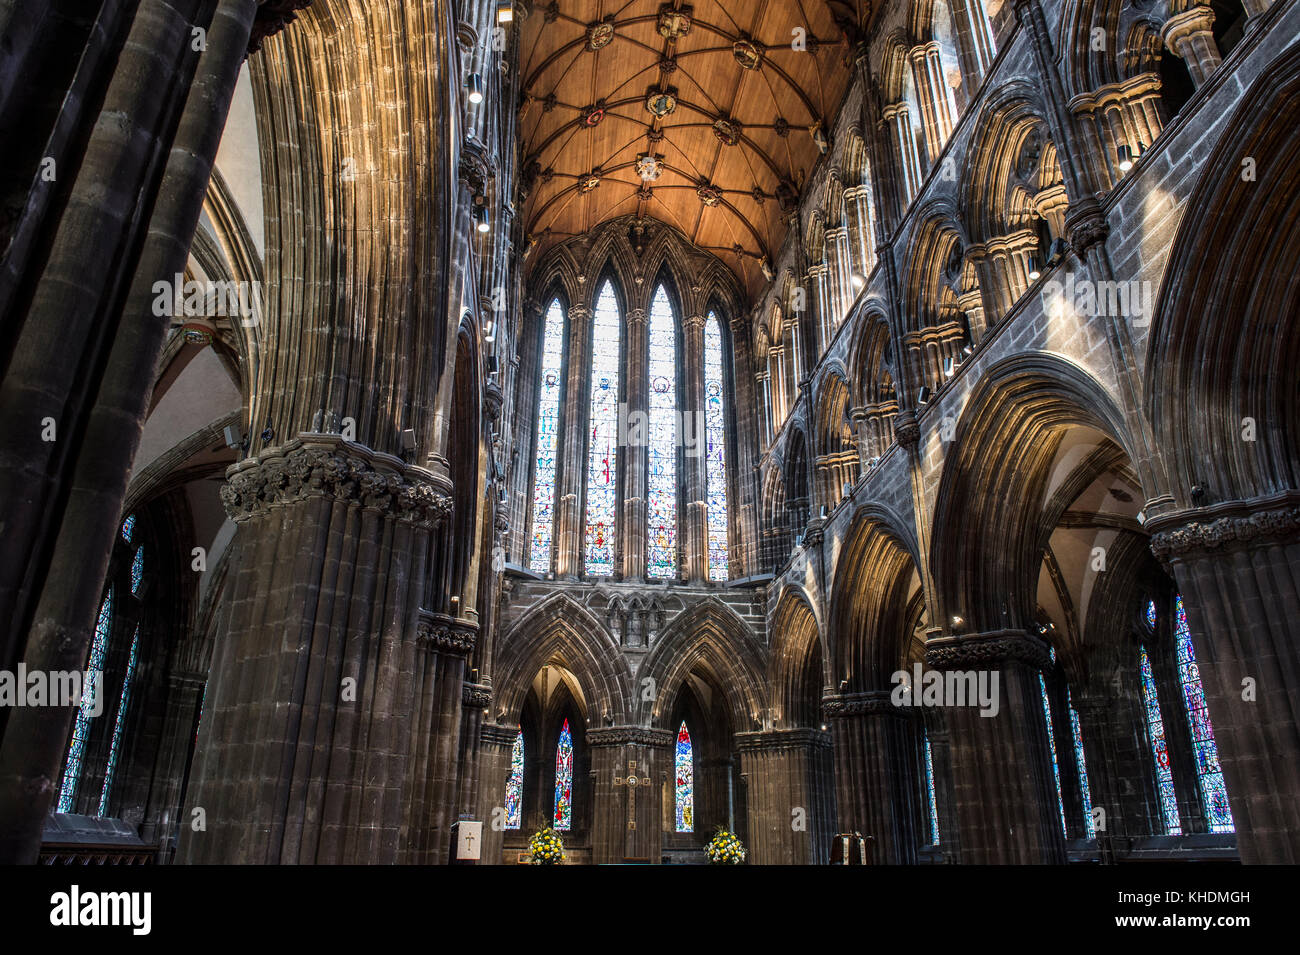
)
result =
(726, 164)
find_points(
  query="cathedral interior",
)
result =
(640, 419)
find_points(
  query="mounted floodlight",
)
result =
(474, 83)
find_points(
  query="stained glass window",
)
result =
(548, 432)
(115, 747)
(715, 462)
(137, 570)
(1159, 748)
(661, 454)
(602, 453)
(1209, 774)
(685, 781)
(1151, 613)
(515, 784)
(1051, 743)
(128, 528)
(81, 728)
(1081, 766)
(929, 785)
(564, 780)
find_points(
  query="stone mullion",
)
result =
(896, 114)
(876, 774)
(932, 91)
(819, 281)
(1234, 566)
(862, 228)
(695, 517)
(1067, 765)
(1190, 35)
(631, 537)
(569, 556)
(1001, 766)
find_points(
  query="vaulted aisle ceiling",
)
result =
(704, 116)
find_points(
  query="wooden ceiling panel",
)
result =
(702, 115)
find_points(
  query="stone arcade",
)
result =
(980, 314)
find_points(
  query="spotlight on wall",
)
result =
(493, 365)
(924, 396)
(505, 12)
(474, 83)
(873, 462)
(859, 281)
(949, 366)
(1034, 271)
(1125, 158)
(232, 436)
(481, 218)
(825, 512)
(968, 350)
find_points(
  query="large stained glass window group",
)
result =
(659, 425)
(81, 728)
(662, 440)
(602, 429)
(685, 765)
(548, 434)
(515, 784)
(1209, 774)
(715, 462)
(564, 780)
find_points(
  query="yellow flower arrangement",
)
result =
(545, 848)
(724, 849)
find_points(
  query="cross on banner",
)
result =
(631, 782)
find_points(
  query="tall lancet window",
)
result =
(715, 463)
(1209, 774)
(115, 746)
(93, 687)
(1159, 746)
(515, 784)
(685, 764)
(564, 780)
(548, 434)
(602, 450)
(929, 788)
(661, 480)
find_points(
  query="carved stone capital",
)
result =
(622, 735)
(1085, 224)
(871, 703)
(907, 430)
(973, 651)
(495, 734)
(476, 696)
(437, 632)
(272, 17)
(325, 465)
(778, 741)
(493, 399)
(1229, 526)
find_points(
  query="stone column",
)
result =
(694, 521)
(1190, 34)
(910, 161)
(821, 300)
(569, 556)
(1235, 566)
(932, 94)
(1052, 204)
(762, 385)
(1003, 786)
(858, 202)
(162, 823)
(117, 219)
(837, 241)
(877, 778)
(633, 460)
(628, 764)
(495, 744)
(334, 701)
(790, 793)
